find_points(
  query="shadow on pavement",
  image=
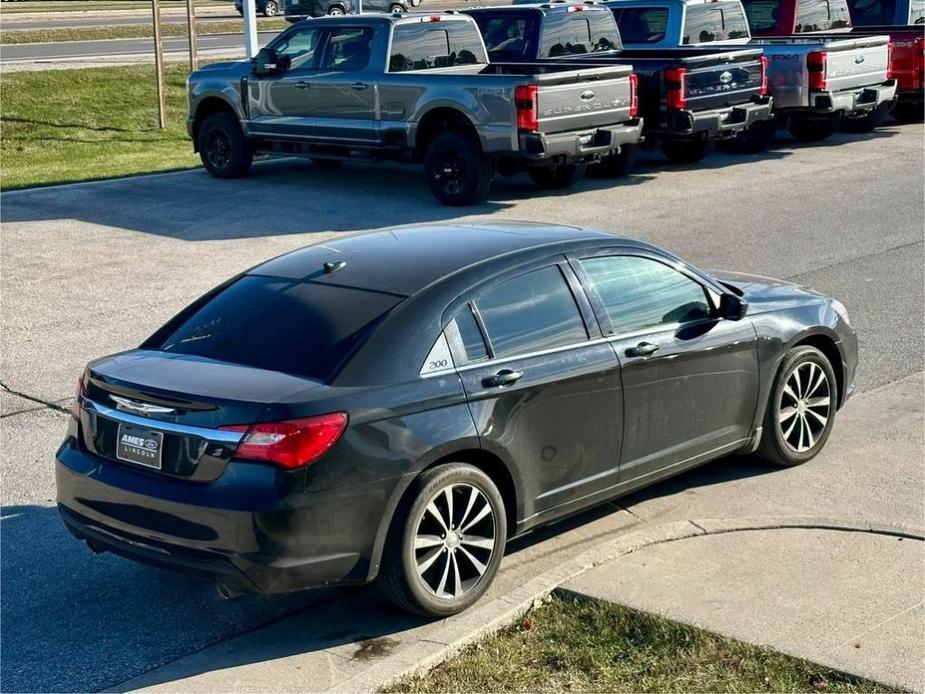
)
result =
(76, 621)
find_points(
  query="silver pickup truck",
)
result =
(410, 87)
(816, 80)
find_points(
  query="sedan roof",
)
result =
(404, 260)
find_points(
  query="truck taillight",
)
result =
(290, 444)
(763, 91)
(634, 95)
(918, 54)
(527, 109)
(676, 87)
(816, 67)
(889, 60)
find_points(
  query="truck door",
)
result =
(344, 87)
(284, 104)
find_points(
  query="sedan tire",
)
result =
(801, 411)
(446, 543)
(223, 149)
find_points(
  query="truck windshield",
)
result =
(642, 24)
(714, 21)
(444, 44)
(507, 34)
(296, 327)
(578, 33)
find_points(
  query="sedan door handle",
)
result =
(505, 377)
(643, 349)
(359, 85)
(302, 84)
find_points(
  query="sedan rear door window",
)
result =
(296, 327)
(639, 292)
(532, 312)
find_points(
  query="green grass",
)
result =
(128, 31)
(76, 125)
(584, 646)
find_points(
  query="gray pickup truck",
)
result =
(410, 87)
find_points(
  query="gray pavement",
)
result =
(90, 269)
(851, 601)
(64, 20)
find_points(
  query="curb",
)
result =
(484, 619)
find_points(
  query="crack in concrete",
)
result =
(44, 403)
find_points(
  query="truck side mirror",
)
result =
(732, 307)
(268, 62)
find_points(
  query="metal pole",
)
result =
(250, 29)
(191, 28)
(159, 64)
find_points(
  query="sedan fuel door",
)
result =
(543, 386)
(690, 376)
(281, 101)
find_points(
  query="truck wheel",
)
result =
(801, 409)
(272, 9)
(685, 151)
(812, 130)
(223, 149)
(556, 177)
(336, 11)
(445, 546)
(904, 112)
(458, 172)
(754, 140)
(616, 165)
(867, 122)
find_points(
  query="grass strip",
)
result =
(129, 31)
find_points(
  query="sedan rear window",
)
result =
(297, 327)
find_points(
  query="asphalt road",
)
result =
(62, 51)
(65, 20)
(91, 269)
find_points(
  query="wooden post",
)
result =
(191, 28)
(159, 64)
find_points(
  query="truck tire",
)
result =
(813, 130)
(458, 172)
(905, 112)
(685, 151)
(435, 529)
(223, 149)
(336, 11)
(615, 165)
(867, 122)
(754, 140)
(556, 177)
(792, 435)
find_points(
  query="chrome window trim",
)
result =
(216, 435)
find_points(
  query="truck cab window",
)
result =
(642, 24)
(872, 12)
(505, 36)
(347, 48)
(567, 34)
(414, 49)
(916, 12)
(821, 15)
(762, 14)
(716, 21)
(301, 47)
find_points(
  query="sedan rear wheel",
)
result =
(445, 550)
(272, 9)
(801, 412)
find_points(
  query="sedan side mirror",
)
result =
(732, 307)
(268, 62)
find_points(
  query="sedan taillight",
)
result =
(292, 443)
(81, 392)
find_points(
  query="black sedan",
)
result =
(396, 405)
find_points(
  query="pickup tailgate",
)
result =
(582, 97)
(863, 63)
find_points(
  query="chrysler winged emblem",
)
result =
(139, 407)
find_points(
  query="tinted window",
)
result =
(640, 293)
(916, 12)
(425, 46)
(300, 46)
(642, 24)
(714, 22)
(570, 34)
(507, 34)
(872, 12)
(347, 49)
(471, 335)
(531, 312)
(821, 15)
(302, 328)
(762, 14)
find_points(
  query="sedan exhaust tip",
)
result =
(228, 593)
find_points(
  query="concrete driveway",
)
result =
(90, 269)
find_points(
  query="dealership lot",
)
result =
(94, 268)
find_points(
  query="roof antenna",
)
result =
(330, 267)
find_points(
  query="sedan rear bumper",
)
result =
(242, 529)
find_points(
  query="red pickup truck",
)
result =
(902, 20)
